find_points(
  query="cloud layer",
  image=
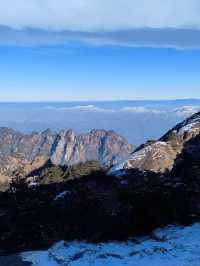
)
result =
(99, 15)
(181, 111)
(164, 38)
(138, 23)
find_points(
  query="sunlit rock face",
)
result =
(32, 151)
(159, 156)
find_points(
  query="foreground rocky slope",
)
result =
(94, 208)
(159, 156)
(32, 151)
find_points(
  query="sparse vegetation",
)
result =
(57, 174)
(174, 140)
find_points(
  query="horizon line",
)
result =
(101, 100)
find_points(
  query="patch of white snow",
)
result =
(62, 195)
(171, 246)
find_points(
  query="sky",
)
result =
(62, 50)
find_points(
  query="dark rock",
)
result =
(94, 208)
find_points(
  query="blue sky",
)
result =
(83, 51)
(82, 72)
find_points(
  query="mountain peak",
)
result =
(63, 148)
(160, 155)
(190, 127)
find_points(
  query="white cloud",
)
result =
(181, 111)
(138, 23)
(142, 109)
(186, 110)
(80, 108)
(99, 15)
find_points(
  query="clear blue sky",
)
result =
(82, 72)
(99, 49)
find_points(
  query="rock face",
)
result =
(32, 151)
(160, 155)
(155, 157)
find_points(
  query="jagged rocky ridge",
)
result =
(100, 207)
(32, 151)
(160, 155)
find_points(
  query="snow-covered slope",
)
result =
(172, 246)
(160, 155)
(155, 157)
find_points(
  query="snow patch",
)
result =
(139, 156)
(171, 246)
(191, 126)
(62, 195)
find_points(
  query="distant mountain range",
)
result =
(31, 151)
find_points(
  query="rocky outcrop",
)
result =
(160, 155)
(156, 157)
(65, 148)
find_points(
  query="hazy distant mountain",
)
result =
(32, 151)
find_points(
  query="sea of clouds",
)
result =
(137, 121)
